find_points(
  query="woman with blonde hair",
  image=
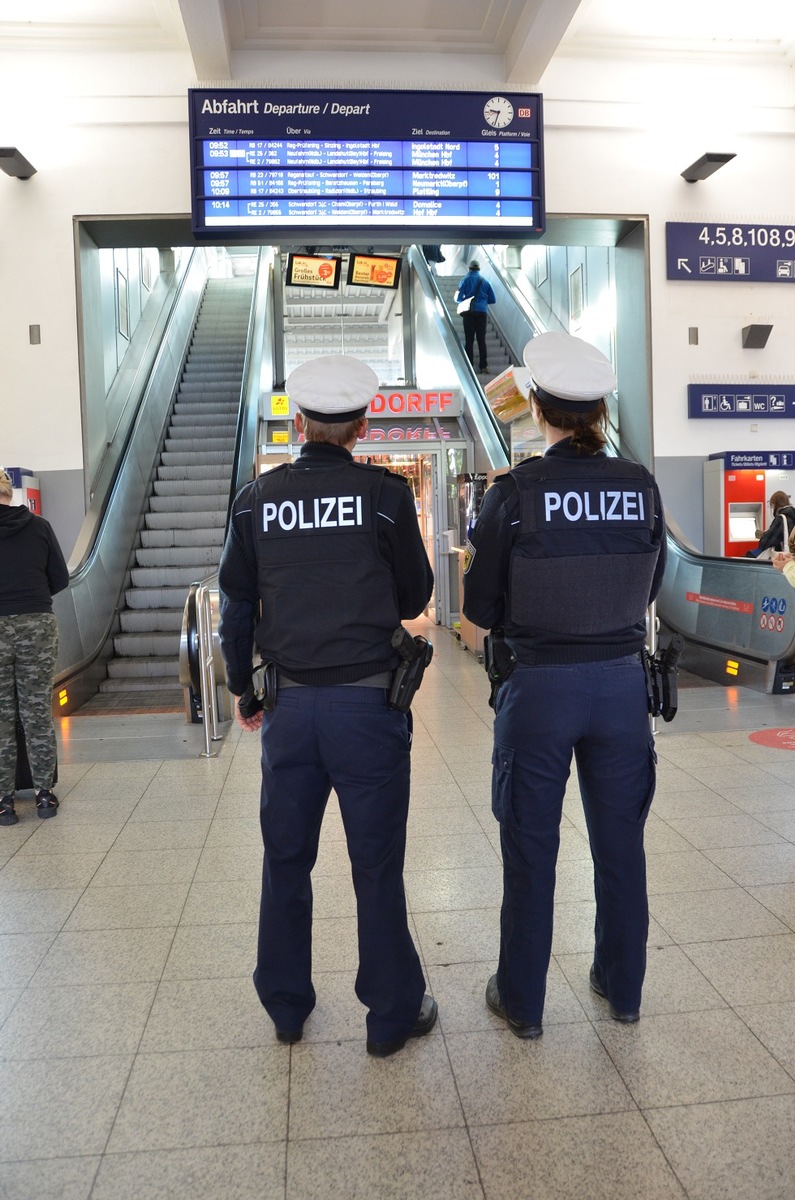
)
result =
(32, 570)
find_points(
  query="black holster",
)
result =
(260, 695)
(415, 655)
(661, 671)
(499, 661)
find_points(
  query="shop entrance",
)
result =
(425, 473)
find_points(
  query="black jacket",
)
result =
(773, 536)
(566, 555)
(32, 567)
(322, 560)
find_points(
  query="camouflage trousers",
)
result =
(28, 649)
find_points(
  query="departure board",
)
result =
(429, 166)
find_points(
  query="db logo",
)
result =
(524, 112)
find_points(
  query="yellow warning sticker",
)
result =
(280, 406)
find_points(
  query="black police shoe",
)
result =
(520, 1028)
(8, 814)
(626, 1018)
(289, 1036)
(429, 1011)
(46, 802)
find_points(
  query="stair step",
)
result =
(144, 668)
(170, 577)
(224, 421)
(213, 472)
(114, 686)
(196, 558)
(171, 598)
(182, 458)
(152, 644)
(147, 620)
(183, 512)
(182, 441)
(216, 490)
(158, 538)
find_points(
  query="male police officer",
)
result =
(566, 555)
(322, 561)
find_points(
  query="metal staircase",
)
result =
(183, 528)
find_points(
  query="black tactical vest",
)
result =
(328, 596)
(583, 563)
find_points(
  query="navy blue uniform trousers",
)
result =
(348, 739)
(596, 712)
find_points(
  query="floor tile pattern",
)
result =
(137, 1064)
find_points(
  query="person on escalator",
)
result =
(776, 536)
(32, 570)
(478, 291)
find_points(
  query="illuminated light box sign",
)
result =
(373, 271)
(730, 253)
(423, 165)
(309, 270)
(740, 400)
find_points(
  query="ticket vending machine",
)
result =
(27, 489)
(737, 487)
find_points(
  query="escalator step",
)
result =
(144, 668)
(149, 644)
(157, 597)
(169, 577)
(159, 538)
(215, 490)
(194, 557)
(210, 471)
(147, 620)
(179, 458)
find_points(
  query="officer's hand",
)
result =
(250, 724)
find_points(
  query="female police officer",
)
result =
(565, 557)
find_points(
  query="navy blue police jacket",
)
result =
(566, 555)
(322, 561)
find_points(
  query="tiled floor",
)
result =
(135, 1061)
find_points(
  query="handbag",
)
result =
(465, 305)
(767, 555)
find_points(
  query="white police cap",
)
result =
(567, 372)
(332, 389)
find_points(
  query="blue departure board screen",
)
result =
(428, 166)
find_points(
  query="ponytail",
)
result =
(586, 430)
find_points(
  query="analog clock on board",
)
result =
(498, 112)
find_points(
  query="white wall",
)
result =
(108, 134)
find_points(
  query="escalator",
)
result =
(185, 514)
(159, 524)
(737, 616)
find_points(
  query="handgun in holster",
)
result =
(415, 655)
(499, 661)
(661, 671)
(260, 695)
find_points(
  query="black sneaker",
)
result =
(46, 802)
(8, 814)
